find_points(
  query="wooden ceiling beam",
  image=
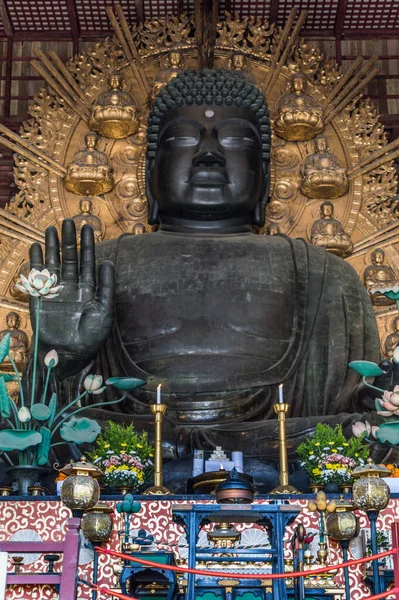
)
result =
(139, 11)
(5, 17)
(273, 11)
(73, 19)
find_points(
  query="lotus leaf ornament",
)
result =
(40, 284)
(80, 430)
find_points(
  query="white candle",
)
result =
(238, 460)
(159, 393)
(280, 394)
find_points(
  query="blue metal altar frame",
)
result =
(276, 517)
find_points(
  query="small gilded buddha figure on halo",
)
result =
(90, 173)
(238, 62)
(392, 340)
(19, 343)
(329, 233)
(299, 116)
(378, 274)
(86, 216)
(170, 68)
(273, 229)
(114, 114)
(322, 174)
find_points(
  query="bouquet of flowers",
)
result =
(329, 457)
(124, 456)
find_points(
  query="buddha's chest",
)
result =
(178, 295)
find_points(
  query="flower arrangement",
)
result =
(124, 456)
(329, 457)
(33, 423)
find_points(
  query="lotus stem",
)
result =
(21, 391)
(7, 458)
(61, 412)
(43, 400)
(75, 412)
(35, 351)
(372, 386)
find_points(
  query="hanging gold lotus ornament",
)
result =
(90, 173)
(114, 113)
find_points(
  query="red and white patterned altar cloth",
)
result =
(47, 518)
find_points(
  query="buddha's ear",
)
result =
(259, 212)
(153, 212)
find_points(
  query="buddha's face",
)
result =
(378, 257)
(91, 140)
(12, 321)
(321, 144)
(175, 59)
(85, 206)
(208, 164)
(327, 210)
(115, 81)
(298, 84)
(238, 61)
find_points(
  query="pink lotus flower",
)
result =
(390, 402)
(359, 429)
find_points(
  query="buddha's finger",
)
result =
(52, 252)
(36, 256)
(106, 287)
(87, 257)
(69, 252)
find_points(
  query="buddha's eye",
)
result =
(181, 136)
(232, 137)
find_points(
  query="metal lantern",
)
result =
(224, 535)
(97, 523)
(370, 491)
(80, 491)
(343, 523)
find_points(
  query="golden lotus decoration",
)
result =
(323, 175)
(90, 172)
(299, 117)
(114, 114)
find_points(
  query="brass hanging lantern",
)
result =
(97, 523)
(370, 491)
(80, 490)
(343, 524)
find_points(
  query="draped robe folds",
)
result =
(220, 321)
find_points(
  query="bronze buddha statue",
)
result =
(329, 233)
(220, 316)
(299, 116)
(377, 275)
(19, 343)
(322, 174)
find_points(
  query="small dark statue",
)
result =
(218, 315)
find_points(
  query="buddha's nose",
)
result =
(208, 154)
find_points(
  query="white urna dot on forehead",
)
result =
(209, 114)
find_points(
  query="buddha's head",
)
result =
(327, 210)
(273, 229)
(208, 155)
(378, 257)
(238, 61)
(91, 139)
(138, 229)
(85, 206)
(13, 320)
(175, 58)
(321, 143)
(298, 83)
(115, 81)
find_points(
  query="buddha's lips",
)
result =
(208, 177)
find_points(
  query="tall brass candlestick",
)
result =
(284, 488)
(158, 489)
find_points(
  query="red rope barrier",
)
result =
(156, 565)
(104, 590)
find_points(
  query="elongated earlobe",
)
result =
(259, 212)
(153, 212)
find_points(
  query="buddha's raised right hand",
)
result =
(78, 321)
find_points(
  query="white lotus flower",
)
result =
(51, 359)
(24, 414)
(93, 384)
(40, 283)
